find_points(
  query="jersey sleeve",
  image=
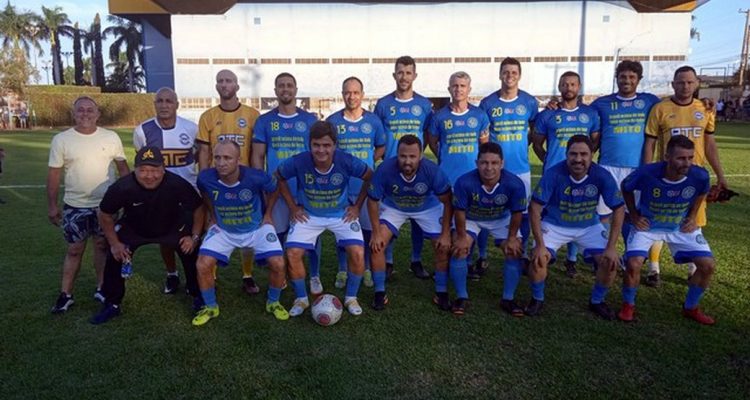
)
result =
(611, 194)
(380, 109)
(56, 153)
(191, 198)
(710, 122)
(379, 133)
(433, 127)
(545, 188)
(139, 138)
(112, 201)
(376, 188)
(259, 131)
(118, 152)
(632, 181)
(533, 108)
(704, 182)
(440, 183)
(461, 195)
(518, 198)
(595, 121)
(204, 136)
(288, 168)
(269, 183)
(358, 167)
(484, 122)
(652, 124)
(540, 124)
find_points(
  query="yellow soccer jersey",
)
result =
(668, 119)
(217, 124)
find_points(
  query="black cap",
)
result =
(149, 155)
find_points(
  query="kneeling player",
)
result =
(234, 195)
(323, 175)
(409, 187)
(492, 199)
(671, 194)
(563, 210)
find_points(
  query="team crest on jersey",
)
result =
(472, 122)
(698, 115)
(501, 199)
(300, 126)
(420, 188)
(416, 110)
(246, 194)
(605, 234)
(688, 192)
(337, 179)
(241, 122)
(184, 139)
(366, 128)
(700, 239)
(591, 191)
(354, 226)
(271, 237)
(639, 104)
(584, 118)
(520, 109)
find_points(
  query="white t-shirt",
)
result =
(87, 160)
(176, 145)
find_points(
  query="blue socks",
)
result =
(299, 288)
(441, 281)
(417, 241)
(511, 277)
(692, 299)
(598, 293)
(537, 290)
(482, 239)
(314, 256)
(341, 254)
(209, 297)
(628, 294)
(389, 252)
(273, 294)
(378, 277)
(352, 284)
(572, 252)
(458, 271)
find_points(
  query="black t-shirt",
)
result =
(151, 213)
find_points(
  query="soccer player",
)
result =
(563, 210)
(154, 203)
(405, 112)
(280, 134)
(672, 192)
(230, 120)
(410, 187)
(556, 127)
(175, 137)
(84, 154)
(512, 112)
(322, 203)
(361, 134)
(493, 199)
(682, 114)
(235, 195)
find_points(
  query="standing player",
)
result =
(563, 210)
(682, 114)
(555, 127)
(322, 203)
(405, 112)
(84, 154)
(235, 195)
(410, 187)
(360, 133)
(492, 199)
(175, 137)
(672, 192)
(230, 120)
(512, 112)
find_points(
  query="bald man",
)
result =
(175, 137)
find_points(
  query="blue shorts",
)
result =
(80, 223)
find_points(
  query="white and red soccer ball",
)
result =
(326, 309)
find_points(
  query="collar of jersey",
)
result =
(499, 97)
(350, 120)
(459, 114)
(626, 98)
(569, 110)
(665, 180)
(324, 173)
(286, 116)
(493, 188)
(578, 181)
(402, 100)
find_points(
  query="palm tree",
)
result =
(53, 23)
(77, 55)
(18, 30)
(127, 34)
(125, 77)
(92, 41)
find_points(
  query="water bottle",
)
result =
(127, 269)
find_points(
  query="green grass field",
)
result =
(411, 350)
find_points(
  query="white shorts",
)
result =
(429, 220)
(619, 173)
(526, 178)
(280, 215)
(684, 246)
(497, 228)
(304, 234)
(219, 244)
(593, 239)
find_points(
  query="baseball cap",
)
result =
(149, 155)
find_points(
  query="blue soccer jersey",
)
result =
(508, 196)
(572, 204)
(323, 193)
(558, 126)
(623, 128)
(358, 138)
(458, 138)
(237, 208)
(402, 117)
(664, 203)
(417, 194)
(509, 127)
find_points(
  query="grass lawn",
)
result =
(410, 350)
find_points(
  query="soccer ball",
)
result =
(326, 310)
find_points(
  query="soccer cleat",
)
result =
(249, 286)
(481, 266)
(653, 280)
(534, 308)
(389, 271)
(99, 295)
(108, 312)
(442, 300)
(602, 310)
(697, 315)
(511, 307)
(418, 270)
(340, 280)
(172, 284)
(381, 299)
(352, 305)
(277, 310)
(316, 287)
(64, 301)
(570, 269)
(459, 306)
(367, 279)
(299, 306)
(205, 314)
(627, 313)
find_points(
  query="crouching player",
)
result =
(563, 210)
(494, 199)
(671, 194)
(234, 195)
(322, 203)
(409, 187)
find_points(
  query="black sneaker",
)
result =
(481, 266)
(108, 312)
(570, 269)
(64, 301)
(418, 270)
(381, 299)
(602, 310)
(99, 295)
(442, 300)
(653, 280)
(534, 308)
(172, 284)
(249, 286)
(472, 274)
(511, 307)
(389, 271)
(459, 306)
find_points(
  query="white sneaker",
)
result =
(352, 305)
(299, 306)
(316, 287)
(340, 280)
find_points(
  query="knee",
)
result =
(204, 265)
(75, 250)
(295, 254)
(708, 266)
(276, 264)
